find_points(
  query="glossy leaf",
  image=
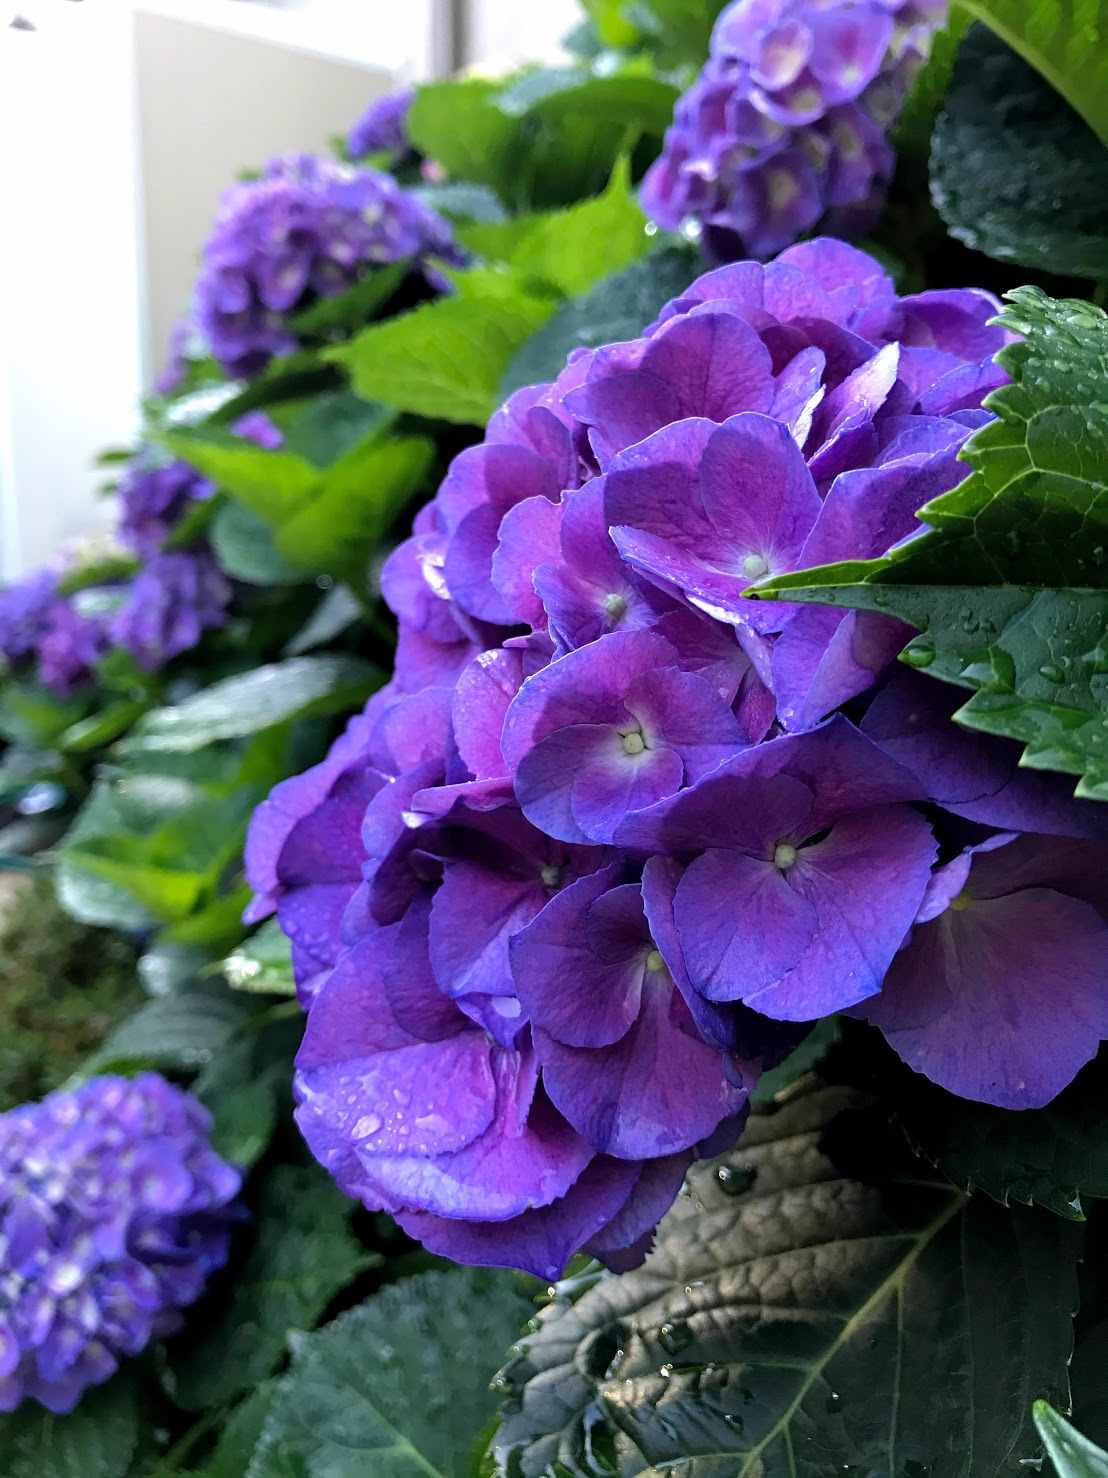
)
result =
(1073, 1455)
(796, 1321)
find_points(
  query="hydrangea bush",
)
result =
(592, 723)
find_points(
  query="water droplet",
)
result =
(736, 1423)
(665, 1371)
(1052, 672)
(834, 1403)
(614, 1365)
(1098, 555)
(735, 1179)
(675, 1337)
(917, 656)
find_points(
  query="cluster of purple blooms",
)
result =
(607, 841)
(114, 1212)
(786, 126)
(176, 595)
(308, 228)
(383, 127)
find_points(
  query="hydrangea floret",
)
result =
(787, 125)
(40, 627)
(383, 127)
(114, 1212)
(614, 834)
(308, 228)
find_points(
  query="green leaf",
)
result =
(916, 123)
(336, 612)
(576, 247)
(96, 1440)
(618, 308)
(1010, 586)
(262, 963)
(240, 1436)
(680, 29)
(180, 1031)
(803, 1059)
(1073, 1456)
(272, 484)
(243, 1088)
(1056, 1156)
(244, 545)
(100, 728)
(564, 95)
(1015, 172)
(1062, 39)
(333, 424)
(353, 308)
(462, 202)
(398, 1387)
(446, 358)
(796, 1320)
(34, 717)
(302, 1256)
(253, 701)
(459, 124)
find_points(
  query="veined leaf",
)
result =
(794, 1321)
(1073, 1456)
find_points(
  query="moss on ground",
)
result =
(63, 986)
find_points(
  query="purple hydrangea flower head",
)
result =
(308, 228)
(174, 598)
(786, 126)
(26, 610)
(607, 843)
(153, 500)
(70, 647)
(114, 1211)
(383, 127)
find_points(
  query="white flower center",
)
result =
(655, 962)
(634, 743)
(784, 855)
(754, 566)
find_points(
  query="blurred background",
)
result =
(121, 121)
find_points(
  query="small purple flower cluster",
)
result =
(383, 127)
(785, 128)
(114, 1212)
(39, 624)
(307, 229)
(608, 841)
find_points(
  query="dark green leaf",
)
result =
(243, 544)
(462, 202)
(1015, 172)
(336, 612)
(303, 1254)
(96, 1440)
(240, 1436)
(794, 1320)
(254, 701)
(1010, 587)
(616, 309)
(446, 358)
(1073, 1456)
(34, 717)
(804, 1059)
(353, 308)
(101, 727)
(333, 424)
(242, 1088)
(1062, 39)
(181, 1031)
(917, 119)
(262, 964)
(398, 1387)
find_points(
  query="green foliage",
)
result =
(1015, 172)
(240, 1436)
(302, 1256)
(913, 129)
(445, 359)
(797, 1320)
(244, 545)
(97, 1440)
(63, 986)
(1064, 40)
(262, 963)
(618, 308)
(183, 1031)
(1010, 586)
(253, 701)
(248, 1083)
(338, 610)
(397, 1387)
(1073, 1455)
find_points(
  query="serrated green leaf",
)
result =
(1062, 39)
(462, 202)
(336, 612)
(243, 1088)
(795, 1322)
(96, 1440)
(1073, 1455)
(445, 359)
(398, 1387)
(262, 963)
(240, 1436)
(272, 484)
(1010, 586)
(1015, 172)
(303, 1254)
(253, 701)
(618, 308)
